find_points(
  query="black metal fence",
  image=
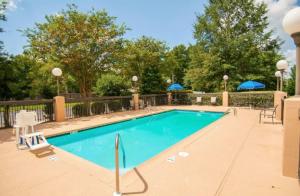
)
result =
(154, 99)
(9, 109)
(97, 105)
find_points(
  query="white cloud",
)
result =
(277, 10)
(12, 4)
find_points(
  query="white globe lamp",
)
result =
(282, 65)
(57, 72)
(225, 78)
(277, 75)
(291, 25)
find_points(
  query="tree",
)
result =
(178, 61)
(290, 87)
(112, 85)
(141, 56)
(83, 44)
(2, 18)
(232, 38)
(151, 81)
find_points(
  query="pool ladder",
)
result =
(117, 141)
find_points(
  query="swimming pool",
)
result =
(141, 138)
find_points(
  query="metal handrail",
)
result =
(117, 164)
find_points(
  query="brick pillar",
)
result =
(291, 137)
(169, 98)
(135, 99)
(225, 99)
(278, 95)
(59, 108)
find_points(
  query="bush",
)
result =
(111, 85)
(255, 99)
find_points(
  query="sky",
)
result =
(167, 20)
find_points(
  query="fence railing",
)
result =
(206, 99)
(154, 99)
(96, 105)
(260, 99)
(9, 109)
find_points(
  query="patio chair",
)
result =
(25, 121)
(198, 99)
(35, 141)
(213, 100)
(131, 104)
(141, 104)
(268, 113)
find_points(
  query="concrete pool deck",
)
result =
(234, 156)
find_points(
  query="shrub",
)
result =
(111, 85)
(255, 99)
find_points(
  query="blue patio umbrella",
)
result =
(250, 85)
(175, 87)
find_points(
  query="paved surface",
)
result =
(235, 156)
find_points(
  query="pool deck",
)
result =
(234, 156)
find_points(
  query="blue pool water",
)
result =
(141, 138)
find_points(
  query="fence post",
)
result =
(135, 99)
(169, 98)
(225, 99)
(278, 95)
(291, 135)
(59, 108)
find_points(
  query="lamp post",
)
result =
(134, 80)
(278, 75)
(291, 24)
(282, 65)
(57, 73)
(225, 78)
(291, 115)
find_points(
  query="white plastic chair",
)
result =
(213, 100)
(198, 99)
(24, 120)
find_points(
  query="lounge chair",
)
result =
(35, 141)
(213, 100)
(268, 113)
(198, 99)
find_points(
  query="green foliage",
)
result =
(290, 87)
(142, 55)
(2, 18)
(15, 77)
(178, 61)
(264, 99)
(84, 44)
(151, 81)
(112, 85)
(232, 38)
